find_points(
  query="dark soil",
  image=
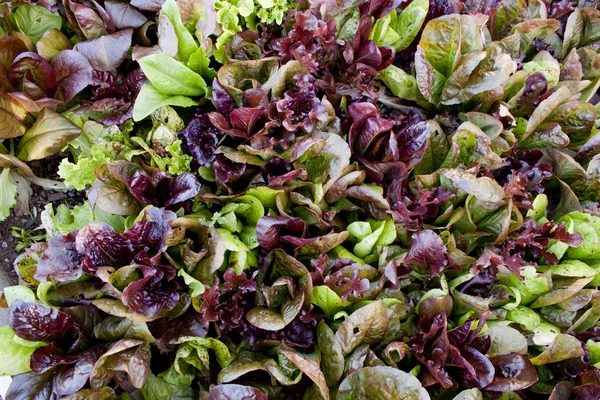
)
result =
(31, 220)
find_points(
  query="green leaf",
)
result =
(594, 348)
(533, 287)
(589, 227)
(327, 300)
(256, 210)
(18, 292)
(441, 41)
(582, 29)
(399, 82)
(309, 366)
(51, 43)
(366, 245)
(366, 325)
(15, 352)
(543, 111)
(150, 99)
(510, 13)
(478, 73)
(550, 70)
(158, 389)
(506, 340)
(409, 22)
(33, 21)
(266, 195)
(486, 190)
(186, 43)
(544, 334)
(562, 293)
(193, 351)
(113, 197)
(82, 174)
(114, 328)
(196, 287)
(382, 383)
(231, 241)
(359, 230)
(169, 76)
(573, 269)
(8, 193)
(332, 359)
(198, 63)
(535, 29)
(50, 133)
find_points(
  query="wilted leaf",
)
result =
(131, 357)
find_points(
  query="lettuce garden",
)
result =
(312, 199)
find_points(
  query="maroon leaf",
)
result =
(428, 252)
(31, 73)
(38, 323)
(271, 230)
(513, 372)
(102, 246)
(149, 233)
(73, 74)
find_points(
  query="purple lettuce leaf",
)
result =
(428, 252)
(107, 52)
(33, 75)
(148, 235)
(38, 323)
(60, 261)
(162, 190)
(272, 231)
(155, 292)
(102, 246)
(431, 346)
(200, 139)
(73, 74)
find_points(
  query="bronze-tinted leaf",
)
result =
(50, 133)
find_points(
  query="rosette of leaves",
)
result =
(398, 29)
(175, 67)
(101, 143)
(456, 65)
(284, 291)
(128, 263)
(553, 119)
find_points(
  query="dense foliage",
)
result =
(376, 199)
